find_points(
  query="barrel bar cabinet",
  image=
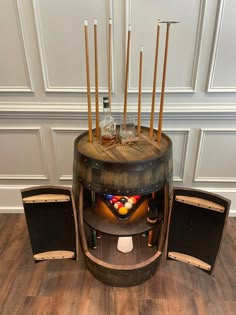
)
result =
(143, 168)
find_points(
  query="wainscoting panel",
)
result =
(22, 154)
(63, 139)
(180, 144)
(60, 34)
(222, 76)
(182, 62)
(13, 55)
(216, 156)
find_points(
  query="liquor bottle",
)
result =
(152, 215)
(107, 125)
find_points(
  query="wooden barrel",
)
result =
(123, 277)
(136, 168)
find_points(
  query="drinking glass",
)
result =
(127, 127)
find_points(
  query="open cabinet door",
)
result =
(52, 222)
(196, 224)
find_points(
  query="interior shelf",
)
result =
(110, 254)
(103, 220)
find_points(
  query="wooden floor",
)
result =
(66, 287)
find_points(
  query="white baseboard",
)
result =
(232, 213)
(11, 210)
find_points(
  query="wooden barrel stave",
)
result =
(122, 176)
(121, 277)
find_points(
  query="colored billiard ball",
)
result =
(123, 200)
(128, 205)
(131, 200)
(109, 197)
(123, 211)
(113, 200)
(118, 205)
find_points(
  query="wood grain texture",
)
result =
(56, 254)
(142, 150)
(199, 202)
(66, 286)
(118, 169)
(46, 198)
(189, 260)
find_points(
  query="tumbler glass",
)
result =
(127, 127)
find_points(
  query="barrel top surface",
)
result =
(144, 148)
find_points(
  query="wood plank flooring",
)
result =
(66, 287)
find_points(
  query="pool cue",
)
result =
(154, 82)
(150, 233)
(94, 239)
(150, 238)
(168, 23)
(109, 62)
(98, 234)
(96, 78)
(90, 138)
(127, 72)
(140, 88)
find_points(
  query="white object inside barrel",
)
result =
(125, 244)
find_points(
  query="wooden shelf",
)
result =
(105, 221)
(107, 251)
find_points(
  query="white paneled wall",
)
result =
(181, 75)
(15, 72)
(23, 154)
(179, 139)
(63, 139)
(61, 42)
(216, 156)
(43, 102)
(222, 71)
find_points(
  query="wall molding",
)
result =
(185, 132)
(22, 38)
(194, 72)
(69, 110)
(11, 209)
(43, 58)
(58, 130)
(215, 179)
(38, 132)
(218, 29)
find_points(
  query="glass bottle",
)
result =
(107, 125)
